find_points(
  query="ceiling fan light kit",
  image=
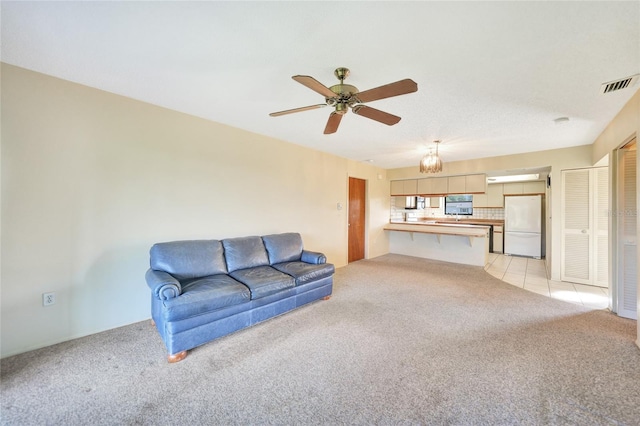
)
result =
(431, 162)
(344, 96)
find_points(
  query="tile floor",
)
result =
(531, 274)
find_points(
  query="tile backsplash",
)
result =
(397, 212)
(488, 213)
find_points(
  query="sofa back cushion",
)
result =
(283, 247)
(244, 252)
(189, 259)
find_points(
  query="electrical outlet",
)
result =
(48, 299)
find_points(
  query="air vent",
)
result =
(614, 86)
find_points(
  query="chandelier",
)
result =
(431, 163)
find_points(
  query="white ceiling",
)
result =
(492, 76)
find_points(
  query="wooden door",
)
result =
(356, 218)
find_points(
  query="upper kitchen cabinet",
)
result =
(439, 186)
(480, 200)
(519, 188)
(457, 185)
(476, 184)
(397, 187)
(404, 187)
(512, 188)
(537, 187)
(469, 184)
(494, 197)
(432, 186)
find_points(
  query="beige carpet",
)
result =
(402, 341)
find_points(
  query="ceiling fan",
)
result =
(344, 96)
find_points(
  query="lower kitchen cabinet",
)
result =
(498, 241)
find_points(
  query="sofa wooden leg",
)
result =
(326, 298)
(177, 357)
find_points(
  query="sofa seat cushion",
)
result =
(305, 272)
(205, 294)
(263, 280)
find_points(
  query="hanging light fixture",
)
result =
(431, 163)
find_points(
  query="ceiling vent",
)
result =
(623, 83)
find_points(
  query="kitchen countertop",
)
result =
(466, 243)
(427, 227)
(447, 221)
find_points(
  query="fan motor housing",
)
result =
(344, 97)
(344, 89)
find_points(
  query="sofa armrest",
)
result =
(313, 257)
(163, 285)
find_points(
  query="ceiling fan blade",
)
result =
(314, 85)
(401, 87)
(291, 111)
(333, 123)
(376, 114)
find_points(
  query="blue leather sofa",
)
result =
(205, 289)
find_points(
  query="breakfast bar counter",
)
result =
(449, 242)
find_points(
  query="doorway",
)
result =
(357, 210)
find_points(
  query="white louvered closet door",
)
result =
(576, 260)
(627, 236)
(601, 227)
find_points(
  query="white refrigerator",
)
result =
(523, 225)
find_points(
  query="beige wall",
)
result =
(624, 127)
(556, 160)
(90, 180)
